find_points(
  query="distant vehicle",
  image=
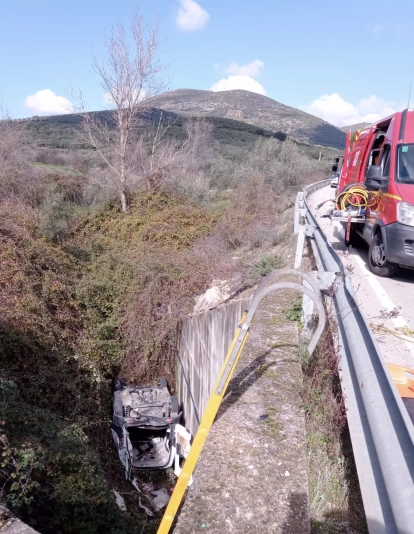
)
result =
(379, 161)
(403, 378)
(335, 180)
(143, 426)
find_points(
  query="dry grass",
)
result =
(334, 495)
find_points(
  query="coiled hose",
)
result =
(355, 196)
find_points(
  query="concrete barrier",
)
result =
(203, 344)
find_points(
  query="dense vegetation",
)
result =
(89, 293)
(62, 131)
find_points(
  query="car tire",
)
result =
(162, 382)
(377, 261)
(175, 407)
(118, 385)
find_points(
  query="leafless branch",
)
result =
(128, 76)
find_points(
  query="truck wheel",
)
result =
(377, 260)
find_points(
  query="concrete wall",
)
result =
(11, 525)
(203, 345)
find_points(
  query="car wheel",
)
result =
(162, 382)
(377, 260)
(118, 385)
(175, 408)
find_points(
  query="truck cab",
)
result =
(380, 159)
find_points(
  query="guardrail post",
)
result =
(298, 206)
(308, 309)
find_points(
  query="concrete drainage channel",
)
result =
(252, 473)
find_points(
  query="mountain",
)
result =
(62, 131)
(354, 127)
(252, 108)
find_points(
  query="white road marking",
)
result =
(379, 291)
(381, 295)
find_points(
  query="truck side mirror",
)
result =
(374, 179)
(335, 167)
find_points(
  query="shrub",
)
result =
(139, 265)
(51, 476)
(264, 266)
(282, 136)
(56, 215)
(55, 455)
(192, 185)
(282, 165)
(250, 217)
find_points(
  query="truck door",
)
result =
(386, 203)
(378, 202)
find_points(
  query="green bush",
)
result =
(264, 266)
(294, 313)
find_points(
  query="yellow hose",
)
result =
(356, 196)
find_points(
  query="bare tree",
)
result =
(13, 147)
(200, 141)
(16, 176)
(129, 75)
(158, 156)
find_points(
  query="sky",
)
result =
(346, 62)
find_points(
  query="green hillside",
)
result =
(233, 138)
(62, 131)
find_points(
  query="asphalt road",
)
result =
(387, 302)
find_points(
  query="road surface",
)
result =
(385, 302)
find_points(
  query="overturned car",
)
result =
(143, 426)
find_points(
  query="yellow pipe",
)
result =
(201, 435)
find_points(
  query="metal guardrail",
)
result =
(381, 431)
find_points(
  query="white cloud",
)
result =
(251, 69)
(191, 16)
(334, 109)
(241, 81)
(46, 102)
(241, 77)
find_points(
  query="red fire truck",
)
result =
(376, 192)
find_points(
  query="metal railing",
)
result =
(381, 430)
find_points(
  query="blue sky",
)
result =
(343, 61)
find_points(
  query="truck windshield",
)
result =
(405, 164)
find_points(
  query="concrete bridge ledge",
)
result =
(252, 474)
